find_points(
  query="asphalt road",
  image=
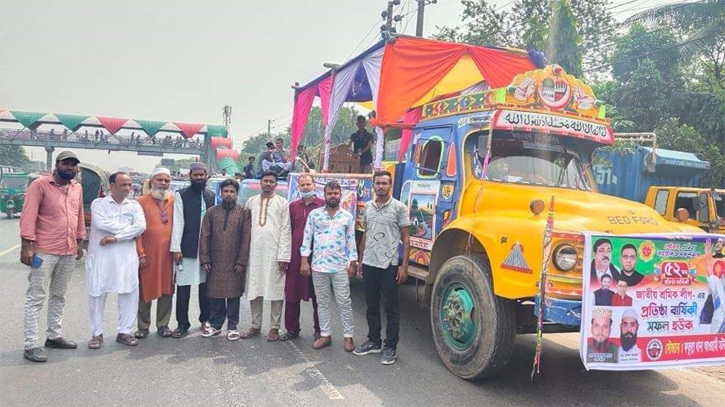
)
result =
(195, 370)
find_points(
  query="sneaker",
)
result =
(367, 348)
(389, 356)
(35, 355)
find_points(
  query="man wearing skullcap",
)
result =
(599, 348)
(190, 206)
(629, 351)
(155, 264)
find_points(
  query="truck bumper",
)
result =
(565, 312)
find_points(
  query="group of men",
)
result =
(162, 244)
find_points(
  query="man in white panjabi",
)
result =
(269, 256)
(112, 261)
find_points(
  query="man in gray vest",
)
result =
(190, 206)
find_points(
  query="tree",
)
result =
(674, 136)
(563, 40)
(13, 156)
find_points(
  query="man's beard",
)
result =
(332, 203)
(601, 345)
(66, 175)
(159, 194)
(628, 341)
(198, 186)
(228, 204)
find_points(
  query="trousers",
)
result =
(163, 312)
(52, 276)
(183, 296)
(339, 283)
(377, 280)
(224, 309)
(275, 314)
(127, 310)
(292, 311)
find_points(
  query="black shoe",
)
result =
(289, 335)
(367, 348)
(60, 343)
(389, 356)
(35, 355)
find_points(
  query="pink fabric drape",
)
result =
(323, 89)
(412, 116)
(303, 105)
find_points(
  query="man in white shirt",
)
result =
(112, 261)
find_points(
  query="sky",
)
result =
(179, 60)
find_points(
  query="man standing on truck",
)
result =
(361, 143)
(386, 223)
(52, 230)
(602, 263)
(628, 260)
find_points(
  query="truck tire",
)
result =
(473, 329)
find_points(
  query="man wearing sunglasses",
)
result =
(154, 254)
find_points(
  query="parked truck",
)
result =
(478, 181)
(666, 180)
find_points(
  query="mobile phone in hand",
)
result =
(36, 262)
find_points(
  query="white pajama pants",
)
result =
(127, 311)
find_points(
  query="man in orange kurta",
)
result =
(156, 273)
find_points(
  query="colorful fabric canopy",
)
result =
(217, 142)
(224, 153)
(402, 74)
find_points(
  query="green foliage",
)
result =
(13, 156)
(563, 40)
(682, 137)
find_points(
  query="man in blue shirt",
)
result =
(331, 230)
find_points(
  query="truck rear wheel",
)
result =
(473, 329)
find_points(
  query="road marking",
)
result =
(6, 251)
(312, 370)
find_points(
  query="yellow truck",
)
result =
(701, 207)
(478, 180)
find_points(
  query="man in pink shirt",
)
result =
(52, 230)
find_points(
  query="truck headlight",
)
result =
(565, 257)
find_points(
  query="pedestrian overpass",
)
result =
(144, 137)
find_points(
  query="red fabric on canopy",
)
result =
(413, 66)
(217, 142)
(112, 124)
(303, 105)
(323, 89)
(412, 116)
(189, 129)
(222, 153)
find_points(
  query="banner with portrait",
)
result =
(653, 301)
(349, 186)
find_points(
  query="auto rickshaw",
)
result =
(94, 181)
(12, 192)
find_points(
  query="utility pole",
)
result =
(421, 14)
(269, 128)
(388, 16)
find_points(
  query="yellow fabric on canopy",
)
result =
(463, 75)
(367, 105)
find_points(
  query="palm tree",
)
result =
(705, 19)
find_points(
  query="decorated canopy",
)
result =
(401, 74)
(111, 124)
(223, 153)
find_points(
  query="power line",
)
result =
(364, 38)
(678, 45)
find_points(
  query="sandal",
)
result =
(273, 335)
(179, 333)
(205, 328)
(289, 335)
(164, 332)
(210, 332)
(141, 334)
(249, 333)
(233, 335)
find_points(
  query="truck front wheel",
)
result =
(473, 329)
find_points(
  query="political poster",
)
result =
(349, 188)
(653, 301)
(422, 200)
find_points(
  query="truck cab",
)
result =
(705, 206)
(482, 174)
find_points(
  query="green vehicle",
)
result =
(13, 186)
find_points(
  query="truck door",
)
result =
(430, 189)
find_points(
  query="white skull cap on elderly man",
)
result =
(160, 170)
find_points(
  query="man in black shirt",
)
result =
(249, 168)
(628, 258)
(362, 142)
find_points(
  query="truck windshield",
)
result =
(720, 204)
(529, 158)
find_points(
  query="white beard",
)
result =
(160, 194)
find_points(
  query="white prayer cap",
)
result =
(160, 170)
(630, 313)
